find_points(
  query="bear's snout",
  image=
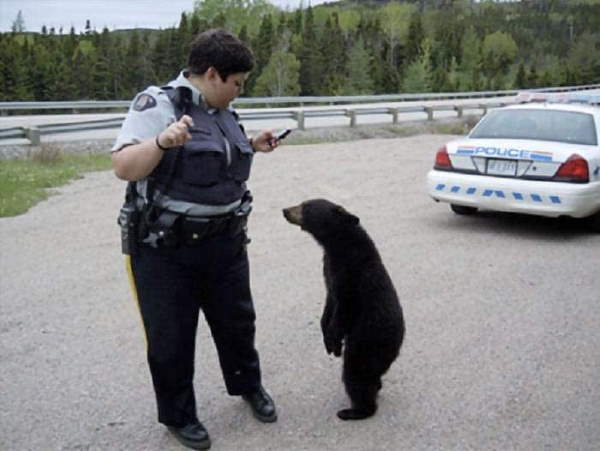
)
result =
(293, 214)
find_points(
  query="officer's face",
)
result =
(221, 93)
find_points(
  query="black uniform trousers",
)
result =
(172, 285)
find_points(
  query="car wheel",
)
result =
(462, 210)
(594, 222)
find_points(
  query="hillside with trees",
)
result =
(349, 47)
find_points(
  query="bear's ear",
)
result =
(347, 218)
(352, 220)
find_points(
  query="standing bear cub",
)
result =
(362, 311)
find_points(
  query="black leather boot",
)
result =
(263, 407)
(192, 435)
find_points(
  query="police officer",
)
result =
(187, 160)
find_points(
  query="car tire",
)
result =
(594, 222)
(462, 210)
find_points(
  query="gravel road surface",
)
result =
(502, 349)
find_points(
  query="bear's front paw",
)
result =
(333, 346)
(337, 350)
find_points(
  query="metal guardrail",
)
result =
(75, 106)
(34, 134)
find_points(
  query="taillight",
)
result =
(442, 159)
(575, 169)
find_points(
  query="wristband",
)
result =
(158, 144)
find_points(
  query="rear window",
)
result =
(546, 125)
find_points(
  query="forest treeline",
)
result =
(343, 48)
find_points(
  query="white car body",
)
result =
(520, 175)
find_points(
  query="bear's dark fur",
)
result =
(362, 310)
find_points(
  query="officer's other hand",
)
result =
(265, 141)
(176, 134)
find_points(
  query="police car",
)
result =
(540, 158)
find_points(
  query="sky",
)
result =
(114, 14)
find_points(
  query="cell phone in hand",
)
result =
(281, 135)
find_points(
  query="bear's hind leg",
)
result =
(363, 399)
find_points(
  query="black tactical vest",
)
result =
(205, 170)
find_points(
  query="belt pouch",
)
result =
(195, 229)
(129, 222)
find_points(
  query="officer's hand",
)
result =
(265, 141)
(176, 134)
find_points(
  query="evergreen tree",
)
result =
(62, 87)
(185, 38)
(472, 45)
(172, 63)
(520, 77)
(281, 25)
(310, 57)
(583, 59)
(333, 56)
(418, 75)
(14, 71)
(101, 88)
(40, 72)
(469, 76)
(263, 47)
(70, 43)
(18, 25)
(243, 36)
(2, 76)
(532, 78)
(416, 34)
(358, 81)
(143, 74)
(82, 73)
(197, 25)
(158, 56)
(297, 25)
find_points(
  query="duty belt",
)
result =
(171, 229)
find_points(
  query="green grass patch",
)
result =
(451, 129)
(25, 182)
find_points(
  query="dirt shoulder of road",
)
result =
(447, 126)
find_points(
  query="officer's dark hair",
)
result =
(222, 50)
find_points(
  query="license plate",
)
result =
(501, 167)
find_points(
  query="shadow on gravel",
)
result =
(522, 226)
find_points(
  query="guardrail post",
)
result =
(429, 111)
(33, 135)
(394, 113)
(352, 115)
(299, 116)
(459, 111)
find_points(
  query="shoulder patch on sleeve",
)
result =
(144, 102)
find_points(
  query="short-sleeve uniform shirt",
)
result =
(150, 113)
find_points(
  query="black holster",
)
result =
(128, 220)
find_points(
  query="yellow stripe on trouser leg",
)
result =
(133, 287)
